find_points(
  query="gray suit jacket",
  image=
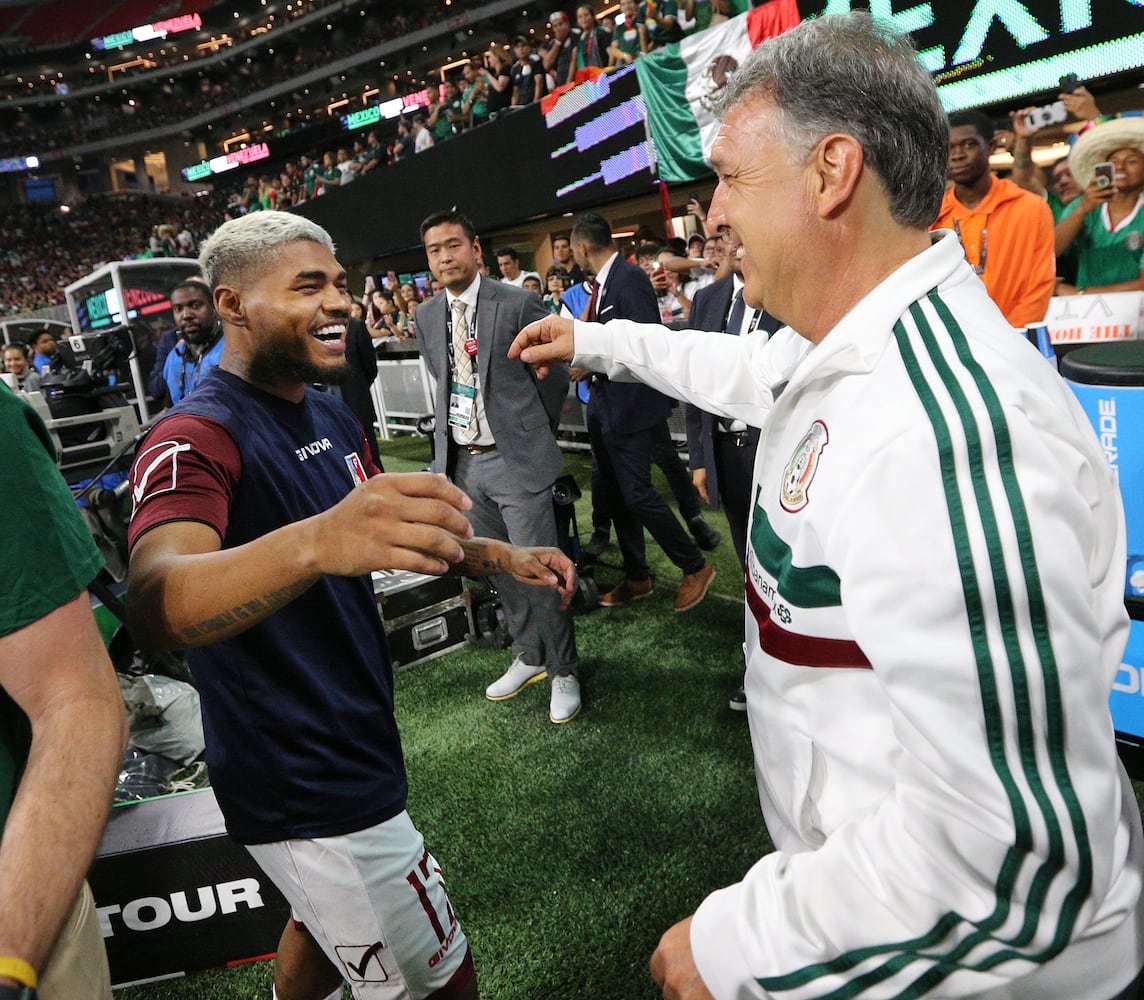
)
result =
(522, 410)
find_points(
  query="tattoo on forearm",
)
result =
(256, 609)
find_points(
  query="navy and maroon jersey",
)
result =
(297, 709)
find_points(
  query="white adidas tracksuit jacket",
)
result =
(935, 618)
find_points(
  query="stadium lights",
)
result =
(453, 65)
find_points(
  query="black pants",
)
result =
(666, 456)
(735, 468)
(621, 477)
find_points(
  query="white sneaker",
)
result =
(565, 702)
(517, 677)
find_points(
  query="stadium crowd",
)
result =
(517, 75)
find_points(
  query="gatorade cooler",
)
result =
(1108, 379)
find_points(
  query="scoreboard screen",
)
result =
(990, 51)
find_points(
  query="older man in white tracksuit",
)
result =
(934, 576)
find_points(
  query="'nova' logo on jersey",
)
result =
(312, 449)
(803, 464)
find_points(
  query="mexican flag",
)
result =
(680, 82)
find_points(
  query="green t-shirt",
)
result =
(310, 179)
(43, 569)
(1106, 258)
(655, 33)
(474, 96)
(449, 120)
(627, 39)
(703, 14)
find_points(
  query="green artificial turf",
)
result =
(569, 849)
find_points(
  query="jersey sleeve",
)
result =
(186, 470)
(371, 470)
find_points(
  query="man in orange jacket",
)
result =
(1007, 233)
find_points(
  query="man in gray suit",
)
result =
(495, 437)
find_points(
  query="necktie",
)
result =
(738, 309)
(463, 362)
(592, 301)
(734, 323)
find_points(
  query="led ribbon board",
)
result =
(221, 164)
(393, 108)
(990, 51)
(148, 32)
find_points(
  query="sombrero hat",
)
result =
(1101, 141)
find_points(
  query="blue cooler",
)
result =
(1108, 379)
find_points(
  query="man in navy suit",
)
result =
(627, 422)
(722, 452)
(495, 437)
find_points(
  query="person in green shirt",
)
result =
(699, 12)
(629, 40)
(474, 106)
(329, 176)
(309, 175)
(446, 116)
(1106, 223)
(660, 18)
(374, 155)
(62, 726)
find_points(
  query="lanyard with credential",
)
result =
(449, 335)
(196, 372)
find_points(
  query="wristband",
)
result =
(18, 993)
(18, 969)
(1099, 120)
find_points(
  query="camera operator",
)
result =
(200, 343)
(43, 349)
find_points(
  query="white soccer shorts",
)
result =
(375, 902)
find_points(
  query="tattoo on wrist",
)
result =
(1022, 159)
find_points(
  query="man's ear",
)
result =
(228, 305)
(837, 165)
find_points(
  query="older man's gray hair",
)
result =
(246, 244)
(846, 73)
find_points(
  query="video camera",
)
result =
(83, 391)
(102, 357)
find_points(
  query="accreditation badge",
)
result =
(462, 405)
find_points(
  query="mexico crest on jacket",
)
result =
(800, 470)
